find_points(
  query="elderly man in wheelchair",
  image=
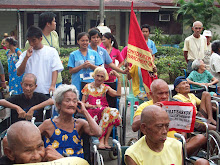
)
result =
(182, 88)
(29, 103)
(160, 92)
(25, 145)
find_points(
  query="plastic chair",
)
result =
(130, 98)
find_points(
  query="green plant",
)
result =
(170, 67)
(215, 36)
(157, 38)
(66, 76)
(176, 39)
(66, 51)
(4, 62)
(163, 51)
(194, 10)
(181, 45)
(167, 40)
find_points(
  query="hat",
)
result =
(178, 80)
(207, 33)
(5, 34)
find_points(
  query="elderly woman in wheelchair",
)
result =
(201, 76)
(64, 132)
(94, 97)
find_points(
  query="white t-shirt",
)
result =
(42, 63)
(196, 47)
(214, 66)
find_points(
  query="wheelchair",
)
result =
(114, 151)
(213, 137)
(6, 120)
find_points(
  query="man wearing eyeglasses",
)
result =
(194, 45)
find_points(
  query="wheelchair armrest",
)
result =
(206, 88)
(201, 119)
(1, 108)
(48, 107)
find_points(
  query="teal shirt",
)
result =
(204, 77)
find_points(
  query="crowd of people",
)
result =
(36, 72)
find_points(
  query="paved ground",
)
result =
(129, 134)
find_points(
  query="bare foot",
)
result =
(107, 145)
(101, 146)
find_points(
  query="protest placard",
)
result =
(182, 115)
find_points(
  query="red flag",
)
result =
(139, 55)
(138, 51)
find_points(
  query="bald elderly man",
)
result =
(160, 92)
(25, 145)
(194, 45)
(154, 147)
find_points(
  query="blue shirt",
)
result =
(76, 59)
(103, 54)
(152, 46)
(204, 77)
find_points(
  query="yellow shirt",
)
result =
(135, 80)
(192, 99)
(143, 155)
(63, 161)
(140, 109)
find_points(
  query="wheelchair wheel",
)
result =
(123, 125)
(113, 154)
(214, 146)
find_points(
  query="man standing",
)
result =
(151, 45)
(155, 147)
(194, 45)
(47, 23)
(41, 60)
(67, 31)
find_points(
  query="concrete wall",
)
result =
(8, 22)
(112, 20)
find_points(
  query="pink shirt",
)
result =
(115, 54)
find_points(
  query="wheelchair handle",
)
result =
(180, 136)
(51, 94)
(116, 142)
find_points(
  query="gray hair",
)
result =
(197, 22)
(196, 64)
(61, 90)
(29, 75)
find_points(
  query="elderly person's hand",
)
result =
(206, 84)
(21, 112)
(51, 154)
(82, 108)
(29, 114)
(114, 73)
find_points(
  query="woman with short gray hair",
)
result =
(201, 76)
(64, 132)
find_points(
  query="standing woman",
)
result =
(83, 61)
(111, 45)
(13, 56)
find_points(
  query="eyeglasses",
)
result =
(198, 28)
